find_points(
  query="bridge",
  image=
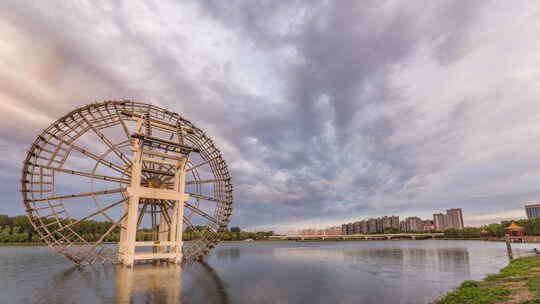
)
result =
(412, 236)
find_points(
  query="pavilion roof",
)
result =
(514, 226)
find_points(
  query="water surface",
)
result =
(260, 272)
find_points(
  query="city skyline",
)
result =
(439, 222)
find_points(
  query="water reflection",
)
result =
(398, 272)
(205, 286)
(454, 260)
(228, 253)
(144, 283)
(149, 283)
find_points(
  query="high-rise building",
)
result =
(439, 220)
(402, 226)
(350, 228)
(452, 219)
(413, 223)
(309, 232)
(386, 222)
(332, 231)
(380, 225)
(372, 225)
(356, 228)
(532, 210)
(364, 227)
(455, 218)
(394, 222)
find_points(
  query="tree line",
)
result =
(18, 229)
(532, 227)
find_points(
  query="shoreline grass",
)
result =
(519, 283)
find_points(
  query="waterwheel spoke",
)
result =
(91, 155)
(202, 163)
(190, 224)
(86, 174)
(202, 213)
(107, 142)
(86, 217)
(207, 198)
(100, 240)
(164, 211)
(206, 181)
(57, 197)
(206, 234)
(141, 214)
(122, 122)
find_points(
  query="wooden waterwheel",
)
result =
(156, 186)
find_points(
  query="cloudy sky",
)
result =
(326, 111)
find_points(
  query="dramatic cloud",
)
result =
(326, 111)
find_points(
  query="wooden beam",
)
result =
(207, 198)
(85, 174)
(79, 195)
(202, 213)
(206, 181)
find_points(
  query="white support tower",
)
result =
(169, 244)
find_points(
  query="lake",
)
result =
(260, 272)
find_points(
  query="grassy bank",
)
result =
(519, 283)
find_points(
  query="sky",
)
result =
(326, 111)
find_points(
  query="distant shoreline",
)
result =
(302, 241)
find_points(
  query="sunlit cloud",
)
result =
(325, 112)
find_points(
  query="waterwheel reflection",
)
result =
(166, 283)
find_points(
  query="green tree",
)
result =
(389, 230)
(236, 231)
(5, 220)
(5, 234)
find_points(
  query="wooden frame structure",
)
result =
(153, 168)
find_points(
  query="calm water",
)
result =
(272, 272)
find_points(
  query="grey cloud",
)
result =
(328, 151)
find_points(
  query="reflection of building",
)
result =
(452, 219)
(454, 260)
(532, 210)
